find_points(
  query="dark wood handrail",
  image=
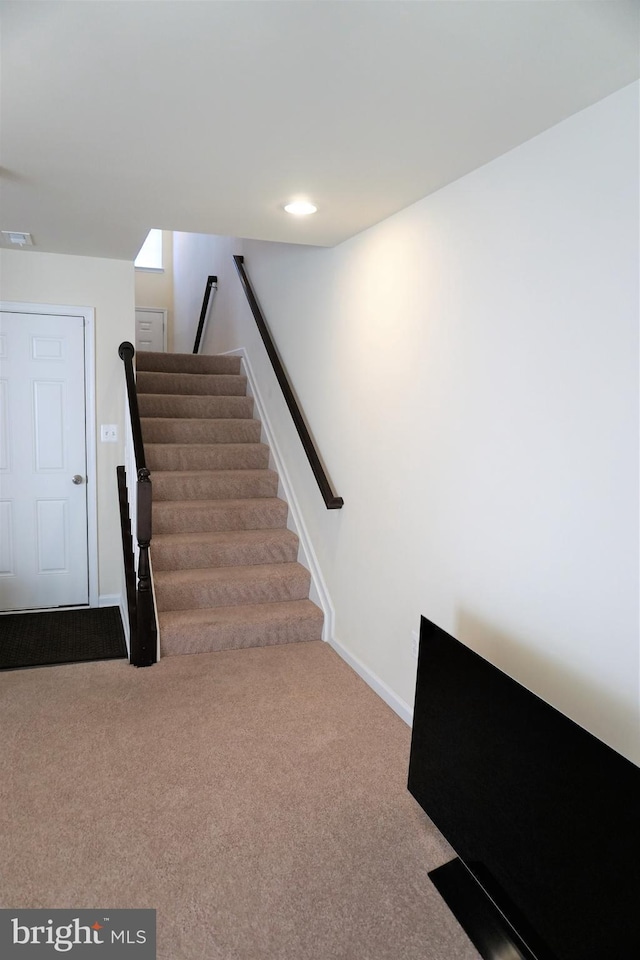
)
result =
(211, 281)
(143, 631)
(332, 502)
(126, 353)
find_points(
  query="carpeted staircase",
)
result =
(224, 562)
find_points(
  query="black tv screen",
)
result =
(544, 815)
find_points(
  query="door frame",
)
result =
(164, 313)
(88, 316)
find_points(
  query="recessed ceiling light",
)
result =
(300, 208)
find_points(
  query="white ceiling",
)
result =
(208, 116)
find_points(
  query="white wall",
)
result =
(197, 256)
(108, 286)
(155, 288)
(469, 368)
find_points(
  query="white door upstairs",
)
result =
(150, 329)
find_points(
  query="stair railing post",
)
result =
(146, 633)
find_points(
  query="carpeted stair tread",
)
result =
(185, 516)
(209, 456)
(225, 566)
(194, 407)
(186, 363)
(213, 431)
(249, 625)
(173, 551)
(230, 586)
(191, 384)
(213, 484)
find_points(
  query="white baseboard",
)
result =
(307, 557)
(155, 602)
(398, 706)
(110, 600)
(118, 600)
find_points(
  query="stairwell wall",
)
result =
(155, 288)
(108, 286)
(197, 256)
(469, 369)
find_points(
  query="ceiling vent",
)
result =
(17, 239)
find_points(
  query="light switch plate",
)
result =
(109, 432)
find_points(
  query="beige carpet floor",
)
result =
(256, 798)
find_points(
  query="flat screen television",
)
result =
(543, 816)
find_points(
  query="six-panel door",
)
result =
(150, 325)
(43, 463)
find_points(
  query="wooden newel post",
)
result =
(144, 653)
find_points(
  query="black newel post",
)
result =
(143, 654)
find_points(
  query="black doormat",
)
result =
(61, 636)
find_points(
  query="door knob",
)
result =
(77, 479)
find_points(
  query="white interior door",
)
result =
(150, 329)
(43, 462)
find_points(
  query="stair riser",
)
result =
(210, 638)
(201, 431)
(208, 486)
(194, 555)
(209, 408)
(181, 363)
(244, 456)
(192, 384)
(170, 519)
(190, 595)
